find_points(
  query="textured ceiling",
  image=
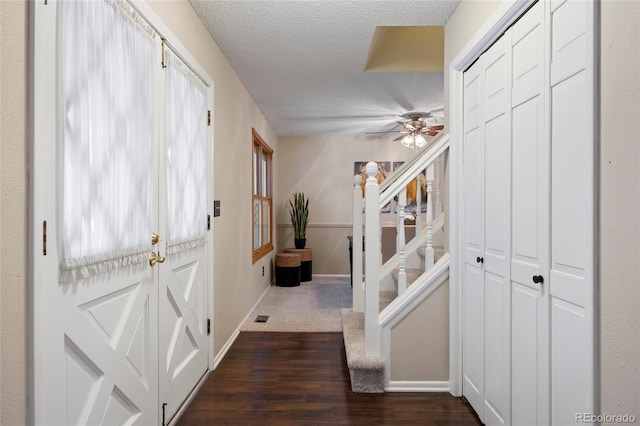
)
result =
(303, 61)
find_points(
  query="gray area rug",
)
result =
(314, 306)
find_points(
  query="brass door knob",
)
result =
(155, 259)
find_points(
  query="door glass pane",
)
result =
(186, 156)
(107, 141)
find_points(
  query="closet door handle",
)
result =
(538, 279)
(480, 259)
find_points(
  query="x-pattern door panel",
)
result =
(109, 350)
(183, 333)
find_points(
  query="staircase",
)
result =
(417, 269)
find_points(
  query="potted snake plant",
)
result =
(299, 213)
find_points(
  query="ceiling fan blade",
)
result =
(384, 133)
(399, 138)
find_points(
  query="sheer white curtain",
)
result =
(106, 62)
(186, 156)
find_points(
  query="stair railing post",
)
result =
(356, 246)
(401, 243)
(429, 254)
(418, 204)
(372, 262)
(438, 202)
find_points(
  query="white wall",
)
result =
(322, 168)
(620, 208)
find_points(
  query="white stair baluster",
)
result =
(400, 245)
(356, 246)
(429, 254)
(418, 203)
(372, 262)
(438, 202)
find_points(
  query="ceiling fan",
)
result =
(415, 129)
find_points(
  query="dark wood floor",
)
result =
(302, 379)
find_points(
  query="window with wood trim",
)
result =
(261, 202)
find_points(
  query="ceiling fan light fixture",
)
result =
(408, 140)
(420, 141)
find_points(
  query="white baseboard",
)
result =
(332, 275)
(187, 402)
(225, 348)
(223, 351)
(411, 386)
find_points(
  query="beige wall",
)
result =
(619, 190)
(13, 212)
(426, 332)
(620, 208)
(322, 168)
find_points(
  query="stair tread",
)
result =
(385, 298)
(367, 373)
(437, 250)
(412, 274)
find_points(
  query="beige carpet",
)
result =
(314, 306)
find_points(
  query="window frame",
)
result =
(257, 185)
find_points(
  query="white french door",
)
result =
(183, 220)
(117, 339)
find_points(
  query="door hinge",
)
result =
(164, 405)
(208, 222)
(209, 118)
(44, 238)
(208, 326)
(163, 63)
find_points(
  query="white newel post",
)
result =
(356, 246)
(372, 262)
(429, 254)
(400, 243)
(438, 203)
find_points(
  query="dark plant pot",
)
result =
(300, 242)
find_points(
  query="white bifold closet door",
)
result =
(486, 287)
(530, 219)
(573, 222)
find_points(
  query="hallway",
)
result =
(302, 379)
